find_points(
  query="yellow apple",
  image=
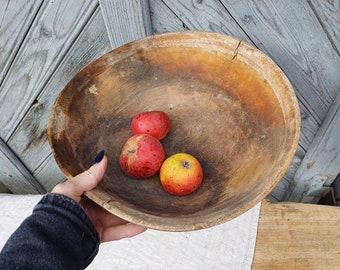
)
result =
(181, 174)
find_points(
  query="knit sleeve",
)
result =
(58, 235)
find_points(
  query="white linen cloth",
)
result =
(227, 246)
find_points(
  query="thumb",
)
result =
(90, 178)
(85, 181)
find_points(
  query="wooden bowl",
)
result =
(230, 106)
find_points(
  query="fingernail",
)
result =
(99, 157)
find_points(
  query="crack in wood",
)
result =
(236, 50)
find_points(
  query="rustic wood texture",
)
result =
(15, 20)
(302, 37)
(43, 44)
(328, 13)
(126, 20)
(209, 15)
(29, 140)
(227, 83)
(297, 236)
(13, 171)
(163, 19)
(322, 161)
(52, 33)
(47, 39)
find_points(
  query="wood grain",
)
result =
(297, 236)
(287, 183)
(30, 138)
(209, 15)
(322, 161)
(15, 20)
(51, 34)
(328, 13)
(164, 19)
(126, 20)
(12, 172)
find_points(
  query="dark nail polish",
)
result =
(99, 157)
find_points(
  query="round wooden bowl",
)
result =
(230, 106)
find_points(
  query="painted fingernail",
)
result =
(99, 157)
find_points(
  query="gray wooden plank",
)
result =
(208, 15)
(30, 139)
(48, 173)
(14, 175)
(321, 164)
(328, 13)
(56, 26)
(287, 182)
(126, 20)
(164, 19)
(15, 19)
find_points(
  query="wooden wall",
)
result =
(43, 44)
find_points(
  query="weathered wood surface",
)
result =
(38, 39)
(47, 41)
(163, 19)
(297, 236)
(321, 163)
(30, 138)
(126, 20)
(15, 20)
(328, 13)
(13, 172)
(52, 33)
(208, 15)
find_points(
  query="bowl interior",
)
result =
(230, 106)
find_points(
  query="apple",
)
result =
(181, 174)
(155, 123)
(142, 155)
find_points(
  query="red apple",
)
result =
(141, 156)
(155, 123)
(181, 174)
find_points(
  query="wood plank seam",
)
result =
(116, 13)
(29, 140)
(331, 39)
(8, 67)
(15, 161)
(35, 102)
(313, 175)
(29, 60)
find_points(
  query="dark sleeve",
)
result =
(58, 235)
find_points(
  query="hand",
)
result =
(107, 225)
